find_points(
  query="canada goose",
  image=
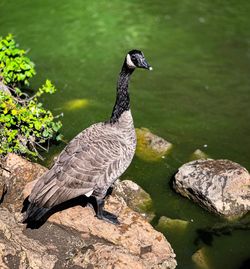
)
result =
(95, 158)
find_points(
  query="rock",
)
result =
(135, 197)
(16, 174)
(75, 238)
(133, 240)
(19, 251)
(220, 186)
(198, 154)
(200, 259)
(151, 147)
(166, 223)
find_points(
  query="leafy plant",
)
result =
(25, 125)
(15, 67)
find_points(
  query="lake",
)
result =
(197, 96)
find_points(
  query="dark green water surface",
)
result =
(198, 93)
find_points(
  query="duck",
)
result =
(94, 159)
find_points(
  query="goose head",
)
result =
(135, 58)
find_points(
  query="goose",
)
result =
(94, 159)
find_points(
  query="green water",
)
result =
(198, 93)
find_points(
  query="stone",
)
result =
(74, 237)
(198, 154)
(151, 147)
(16, 174)
(166, 223)
(135, 197)
(200, 259)
(134, 240)
(19, 251)
(220, 186)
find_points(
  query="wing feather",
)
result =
(90, 162)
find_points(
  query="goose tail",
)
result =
(34, 213)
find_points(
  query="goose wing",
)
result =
(90, 162)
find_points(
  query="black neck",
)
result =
(122, 97)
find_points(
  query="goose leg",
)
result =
(103, 214)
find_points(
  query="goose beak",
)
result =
(145, 65)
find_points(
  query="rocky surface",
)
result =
(16, 174)
(221, 186)
(135, 197)
(74, 238)
(151, 147)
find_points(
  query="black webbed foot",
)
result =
(103, 214)
(109, 217)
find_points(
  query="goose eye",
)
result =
(133, 58)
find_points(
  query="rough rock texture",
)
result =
(221, 186)
(74, 238)
(135, 197)
(151, 147)
(19, 251)
(15, 175)
(132, 243)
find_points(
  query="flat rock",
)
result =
(220, 186)
(166, 223)
(151, 147)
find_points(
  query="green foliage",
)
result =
(15, 67)
(24, 123)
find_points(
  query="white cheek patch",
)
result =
(130, 64)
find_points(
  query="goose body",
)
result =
(95, 158)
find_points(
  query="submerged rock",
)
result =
(75, 238)
(151, 147)
(198, 154)
(76, 104)
(220, 186)
(135, 197)
(166, 223)
(200, 259)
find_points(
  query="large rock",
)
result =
(151, 147)
(221, 186)
(75, 238)
(134, 241)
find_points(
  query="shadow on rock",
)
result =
(80, 200)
